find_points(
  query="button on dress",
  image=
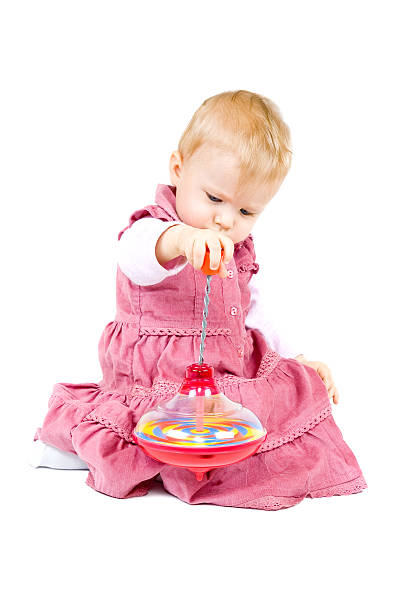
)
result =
(143, 354)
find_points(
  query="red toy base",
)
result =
(199, 460)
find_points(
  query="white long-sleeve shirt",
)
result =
(137, 260)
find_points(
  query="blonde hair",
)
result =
(247, 124)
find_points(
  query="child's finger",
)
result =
(327, 378)
(228, 247)
(198, 254)
(331, 390)
(333, 393)
(222, 270)
(215, 253)
(189, 253)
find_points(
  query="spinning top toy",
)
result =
(200, 428)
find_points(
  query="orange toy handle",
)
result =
(206, 264)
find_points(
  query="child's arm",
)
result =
(151, 250)
(136, 252)
(259, 319)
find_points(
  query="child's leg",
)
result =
(45, 455)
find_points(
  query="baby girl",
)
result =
(230, 162)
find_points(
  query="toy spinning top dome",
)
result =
(199, 428)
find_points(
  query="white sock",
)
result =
(45, 455)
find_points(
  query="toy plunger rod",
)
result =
(209, 273)
(200, 399)
(205, 316)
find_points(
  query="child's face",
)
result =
(207, 195)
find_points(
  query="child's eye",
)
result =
(245, 212)
(212, 198)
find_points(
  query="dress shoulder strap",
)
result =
(163, 209)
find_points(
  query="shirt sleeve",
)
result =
(136, 252)
(257, 318)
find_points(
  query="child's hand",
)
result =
(192, 243)
(325, 374)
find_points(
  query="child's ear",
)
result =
(175, 167)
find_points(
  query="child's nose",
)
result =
(225, 222)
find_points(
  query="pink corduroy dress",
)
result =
(143, 355)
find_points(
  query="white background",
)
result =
(95, 96)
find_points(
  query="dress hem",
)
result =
(271, 502)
